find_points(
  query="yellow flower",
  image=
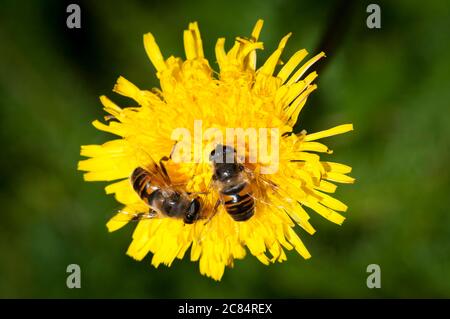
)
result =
(238, 96)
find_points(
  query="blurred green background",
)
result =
(392, 83)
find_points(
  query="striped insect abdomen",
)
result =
(238, 201)
(142, 184)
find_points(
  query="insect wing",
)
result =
(147, 162)
(259, 182)
(128, 216)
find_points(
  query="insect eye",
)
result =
(227, 149)
(213, 152)
(194, 207)
(220, 152)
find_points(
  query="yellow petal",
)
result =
(221, 56)
(340, 129)
(315, 147)
(118, 221)
(154, 52)
(257, 30)
(325, 212)
(340, 178)
(113, 127)
(254, 38)
(299, 73)
(189, 45)
(272, 61)
(331, 202)
(297, 243)
(336, 167)
(326, 186)
(193, 27)
(123, 192)
(289, 67)
(110, 106)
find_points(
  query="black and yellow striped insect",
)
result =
(163, 198)
(232, 183)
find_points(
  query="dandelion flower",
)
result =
(237, 95)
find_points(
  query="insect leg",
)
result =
(214, 211)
